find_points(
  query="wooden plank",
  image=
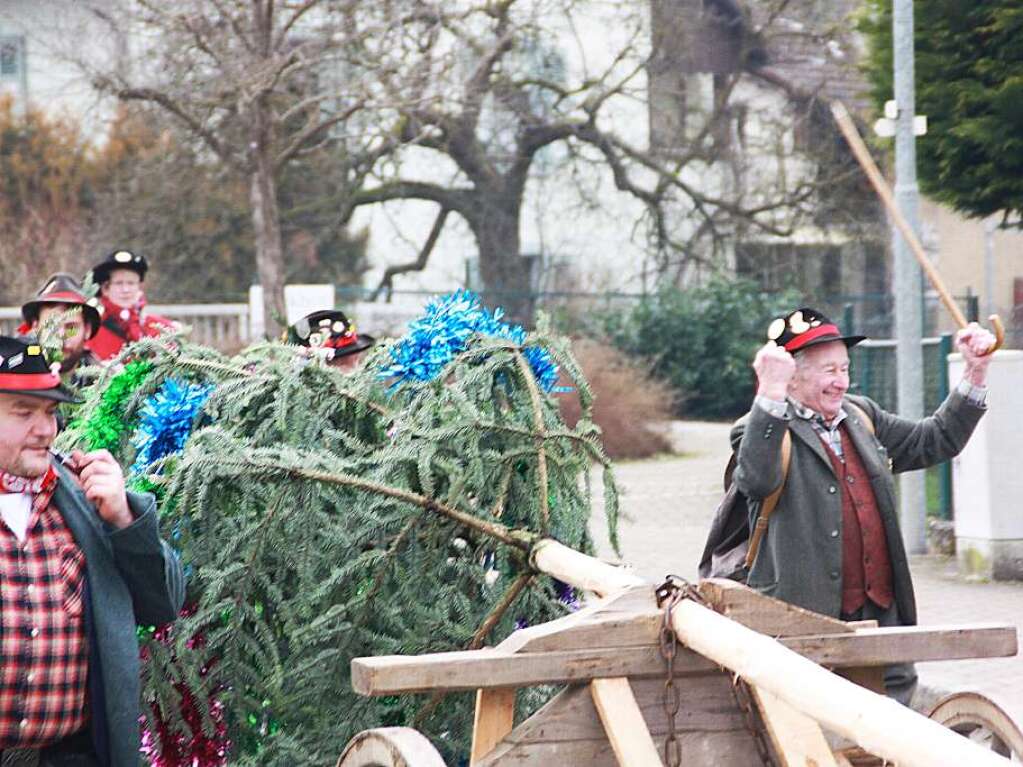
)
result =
(878, 724)
(474, 669)
(495, 717)
(797, 739)
(488, 668)
(567, 731)
(882, 646)
(766, 614)
(623, 722)
(629, 617)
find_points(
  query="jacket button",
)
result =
(832, 490)
(850, 479)
(834, 533)
(834, 575)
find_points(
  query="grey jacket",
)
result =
(132, 577)
(800, 558)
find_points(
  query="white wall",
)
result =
(58, 36)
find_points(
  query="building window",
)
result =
(12, 57)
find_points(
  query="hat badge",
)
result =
(776, 328)
(123, 257)
(798, 324)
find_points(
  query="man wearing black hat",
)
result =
(120, 277)
(61, 296)
(833, 543)
(331, 332)
(81, 562)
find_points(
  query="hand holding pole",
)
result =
(862, 154)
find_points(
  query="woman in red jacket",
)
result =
(120, 276)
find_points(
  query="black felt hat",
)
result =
(24, 370)
(329, 329)
(120, 259)
(806, 327)
(62, 288)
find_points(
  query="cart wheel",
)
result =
(981, 720)
(390, 747)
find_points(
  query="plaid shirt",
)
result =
(43, 649)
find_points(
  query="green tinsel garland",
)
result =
(104, 429)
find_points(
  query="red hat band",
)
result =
(803, 339)
(64, 295)
(341, 341)
(28, 381)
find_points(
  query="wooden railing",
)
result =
(222, 326)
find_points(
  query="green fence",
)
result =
(874, 375)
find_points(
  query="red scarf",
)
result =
(42, 487)
(129, 319)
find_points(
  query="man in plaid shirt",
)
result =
(81, 562)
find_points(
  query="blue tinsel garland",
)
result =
(444, 331)
(166, 421)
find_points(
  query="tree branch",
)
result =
(387, 281)
(164, 100)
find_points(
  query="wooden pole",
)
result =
(624, 723)
(862, 154)
(580, 570)
(877, 723)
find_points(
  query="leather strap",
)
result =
(760, 528)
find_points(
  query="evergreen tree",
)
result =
(323, 517)
(969, 83)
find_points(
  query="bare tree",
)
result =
(262, 83)
(504, 83)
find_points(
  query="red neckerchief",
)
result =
(41, 487)
(129, 319)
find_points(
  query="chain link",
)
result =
(670, 593)
(744, 700)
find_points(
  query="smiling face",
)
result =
(124, 288)
(822, 378)
(28, 426)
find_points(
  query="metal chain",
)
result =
(670, 593)
(744, 700)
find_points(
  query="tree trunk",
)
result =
(266, 223)
(505, 273)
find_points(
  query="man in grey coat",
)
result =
(833, 543)
(81, 563)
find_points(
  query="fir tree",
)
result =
(323, 517)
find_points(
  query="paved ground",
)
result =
(666, 507)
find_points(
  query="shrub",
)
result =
(702, 341)
(628, 402)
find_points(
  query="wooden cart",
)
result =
(755, 681)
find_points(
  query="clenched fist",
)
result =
(103, 482)
(774, 367)
(973, 343)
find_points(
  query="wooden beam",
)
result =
(797, 739)
(474, 669)
(766, 614)
(882, 646)
(581, 570)
(495, 717)
(878, 724)
(624, 724)
(489, 668)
